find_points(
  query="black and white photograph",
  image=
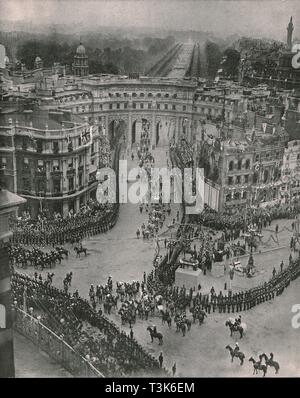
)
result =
(149, 191)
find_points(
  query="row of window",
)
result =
(56, 183)
(143, 95)
(239, 165)
(236, 196)
(238, 180)
(55, 163)
(141, 105)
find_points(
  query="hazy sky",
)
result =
(250, 17)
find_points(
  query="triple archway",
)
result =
(142, 131)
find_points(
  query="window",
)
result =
(230, 180)
(39, 146)
(244, 195)
(257, 158)
(174, 95)
(230, 166)
(40, 164)
(134, 94)
(246, 178)
(167, 95)
(79, 141)
(298, 156)
(55, 165)
(149, 105)
(26, 161)
(3, 163)
(134, 105)
(80, 179)
(118, 106)
(125, 105)
(238, 179)
(110, 106)
(239, 165)
(158, 106)
(150, 95)
(70, 163)
(71, 183)
(142, 95)
(158, 95)
(174, 107)
(56, 186)
(247, 164)
(166, 106)
(184, 108)
(141, 106)
(93, 147)
(55, 147)
(26, 184)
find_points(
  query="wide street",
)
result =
(202, 351)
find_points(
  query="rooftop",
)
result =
(9, 199)
(39, 119)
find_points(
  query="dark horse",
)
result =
(166, 317)
(257, 365)
(235, 328)
(239, 354)
(271, 362)
(155, 335)
(79, 250)
(62, 250)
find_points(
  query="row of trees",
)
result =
(123, 59)
(227, 60)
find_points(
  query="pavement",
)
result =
(30, 362)
(202, 351)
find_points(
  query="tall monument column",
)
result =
(290, 29)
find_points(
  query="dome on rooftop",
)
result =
(37, 59)
(80, 49)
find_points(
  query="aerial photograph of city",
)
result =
(149, 190)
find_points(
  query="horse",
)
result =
(155, 335)
(200, 315)
(181, 326)
(79, 250)
(188, 323)
(258, 366)
(235, 327)
(62, 250)
(239, 354)
(166, 317)
(271, 362)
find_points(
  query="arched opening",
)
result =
(140, 132)
(157, 133)
(133, 133)
(116, 130)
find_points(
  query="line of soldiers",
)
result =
(231, 302)
(70, 231)
(115, 353)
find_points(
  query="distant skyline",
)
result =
(257, 18)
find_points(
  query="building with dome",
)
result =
(80, 65)
(38, 63)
